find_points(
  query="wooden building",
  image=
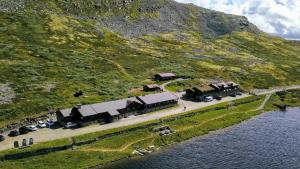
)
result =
(111, 111)
(199, 93)
(219, 89)
(64, 116)
(153, 102)
(164, 76)
(152, 87)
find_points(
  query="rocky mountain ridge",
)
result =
(134, 18)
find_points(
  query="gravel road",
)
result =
(43, 135)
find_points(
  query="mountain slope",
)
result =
(50, 49)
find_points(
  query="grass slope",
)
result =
(47, 54)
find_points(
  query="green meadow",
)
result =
(122, 145)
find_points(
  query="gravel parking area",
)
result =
(46, 134)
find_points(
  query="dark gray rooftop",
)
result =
(87, 110)
(167, 74)
(157, 98)
(66, 112)
(112, 107)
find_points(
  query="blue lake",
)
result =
(271, 140)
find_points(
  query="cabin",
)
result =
(152, 87)
(218, 89)
(199, 93)
(164, 76)
(107, 112)
(64, 116)
(154, 102)
(226, 88)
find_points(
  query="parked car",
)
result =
(2, 138)
(218, 98)
(50, 123)
(13, 133)
(41, 124)
(233, 95)
(208, 99)
(239, 93)
(71, 125)
(32, 128)
(23, 130)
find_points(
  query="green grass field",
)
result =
(121, 146)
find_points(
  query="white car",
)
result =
(41, 124)
(32, 128)
(208, 99)
(71, 125)
(50, 123)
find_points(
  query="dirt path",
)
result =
(124, 147)
(165, 84)
(120, 68)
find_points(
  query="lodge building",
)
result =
(111, 111)
(164, 76)
(219, 89)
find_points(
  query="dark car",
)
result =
(13, 133)
(233, 95)
(24, 130)
(218, 98)
(2, 138)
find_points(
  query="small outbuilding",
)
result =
(164, 76)
(152, 87)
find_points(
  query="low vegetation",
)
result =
(122, 145)
(47, 53)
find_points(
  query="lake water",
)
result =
(271, 140)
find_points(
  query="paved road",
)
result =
(44, 135)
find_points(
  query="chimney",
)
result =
(78, 106)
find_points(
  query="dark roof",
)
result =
(66, 112)
(223, 85)
(166, 74)
(152, 86)
(231, 83)
(204, 88)
(86, 110)
(112, 107)
(157, 98)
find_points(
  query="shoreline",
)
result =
(167, 147)
(188, 126)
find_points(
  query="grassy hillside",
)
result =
(50, 49)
